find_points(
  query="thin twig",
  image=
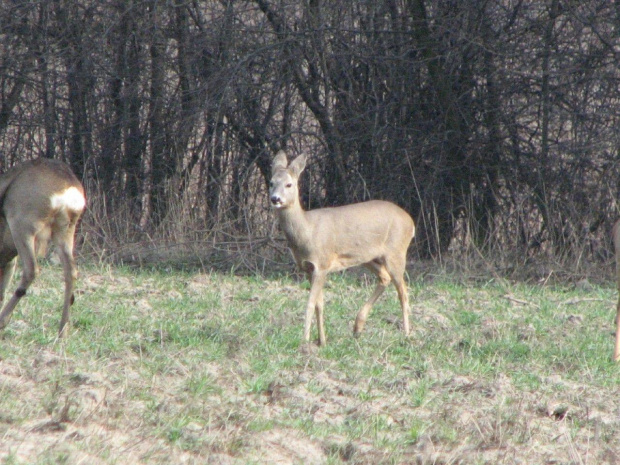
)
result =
(520, 301)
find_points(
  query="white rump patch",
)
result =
(71, 199)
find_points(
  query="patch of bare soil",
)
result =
(280, 447)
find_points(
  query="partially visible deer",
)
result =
(616, 239)
(39, 200)
(375, 234)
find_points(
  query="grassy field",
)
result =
(190, 367)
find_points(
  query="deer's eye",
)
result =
(289, 185)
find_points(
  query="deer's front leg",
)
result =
(317, 280)
(319, 319)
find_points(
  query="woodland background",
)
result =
(493, 122)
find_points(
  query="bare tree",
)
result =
(492, 123)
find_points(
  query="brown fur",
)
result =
(375, 234)
(28, 221)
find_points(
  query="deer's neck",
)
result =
(295, 226)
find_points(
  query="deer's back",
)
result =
(358, 233)
(371, 217)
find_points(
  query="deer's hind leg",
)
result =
(617, 346)
(378, 268)
(24, 239)
(396, 269)
(8, 258)
(6, 274)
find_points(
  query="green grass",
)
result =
(164, 367)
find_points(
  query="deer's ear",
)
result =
(280, 161)
(297, 165)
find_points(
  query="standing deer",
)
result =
(616, 240)
(375, 234)
(39, 200)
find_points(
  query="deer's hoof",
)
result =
(308, 348)
(358, 328)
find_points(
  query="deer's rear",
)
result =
(41, 200)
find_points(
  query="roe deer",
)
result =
(39, 200)
(375, 234)
(616, 240)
